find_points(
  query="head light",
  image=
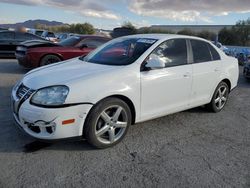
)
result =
(50, 96)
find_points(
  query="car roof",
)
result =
(92, 36)
(162, 36)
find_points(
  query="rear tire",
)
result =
(107, 123)
(219, 99)
(49, 59)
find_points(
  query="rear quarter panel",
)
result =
(230, 70)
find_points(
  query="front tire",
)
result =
(219, 99)
(107, 123)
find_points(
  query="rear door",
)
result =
(206, 71)
(7, 44)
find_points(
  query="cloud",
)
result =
(188, 10)
(100, 14)
(179, 10)
(88, 8)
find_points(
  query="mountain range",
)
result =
(31, 24)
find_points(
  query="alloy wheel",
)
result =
(111, 124)
(221, 97)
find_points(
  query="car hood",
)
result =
(57, 48)
(37, 43)
(64, 73)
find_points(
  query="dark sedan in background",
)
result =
(31, 54)
(246, 69)
(10, 39)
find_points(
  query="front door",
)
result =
(167, 90)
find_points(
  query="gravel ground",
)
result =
(194, 148)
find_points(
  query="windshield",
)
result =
(39, 33)
(72, 41)
(121, 51)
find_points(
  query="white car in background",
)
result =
(125, 81)
(49, 36)
(37, 32)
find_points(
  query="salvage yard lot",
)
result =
(194, 148)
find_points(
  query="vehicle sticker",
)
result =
(149, 41)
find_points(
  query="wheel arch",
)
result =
(127, 101)
(227, 81)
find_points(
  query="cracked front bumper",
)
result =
(47, 123)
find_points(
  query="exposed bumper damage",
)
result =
(47, 123)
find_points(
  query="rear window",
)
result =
(214, 53)
(201, 52)
(72, 41)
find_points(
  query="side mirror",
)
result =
(155, 62)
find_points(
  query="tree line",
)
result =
(85, 28)
(238, 35)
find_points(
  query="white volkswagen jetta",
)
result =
(125, 81)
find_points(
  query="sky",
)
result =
(107, 14)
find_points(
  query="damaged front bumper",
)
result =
(47, 123)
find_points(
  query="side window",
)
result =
(6, 36)
(173, 52)
(214, 53)
(201, 52)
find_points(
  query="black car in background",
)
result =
(246, 69)
(3, 29)
(10, 39)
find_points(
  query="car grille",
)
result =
(23, 92)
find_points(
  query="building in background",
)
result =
(195, 28)
(3, 29)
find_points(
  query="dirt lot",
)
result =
(194, 148)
